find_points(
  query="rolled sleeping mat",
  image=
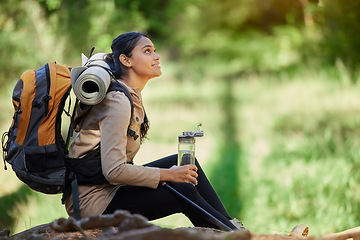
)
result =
(90, 83)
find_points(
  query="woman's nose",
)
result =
(157, 56)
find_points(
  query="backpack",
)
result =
(34, 145)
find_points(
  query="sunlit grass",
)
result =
(40, 209)
(301, 155)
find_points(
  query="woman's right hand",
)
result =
(185, 173)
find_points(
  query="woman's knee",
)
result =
(187, 189)
(165, 162)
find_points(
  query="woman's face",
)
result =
(145, 62)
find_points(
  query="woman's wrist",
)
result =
(165, 174)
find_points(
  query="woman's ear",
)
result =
(124, 60)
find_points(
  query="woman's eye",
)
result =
(147, 51)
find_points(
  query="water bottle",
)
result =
(186, 147)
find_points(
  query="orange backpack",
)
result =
(34, 145)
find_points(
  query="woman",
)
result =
(138, 189)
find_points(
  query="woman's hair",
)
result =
(124, 44)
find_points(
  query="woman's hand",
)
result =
(186, 173)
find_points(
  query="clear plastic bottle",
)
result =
(186, 148)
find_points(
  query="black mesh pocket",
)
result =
(35, 162)
(43, 158)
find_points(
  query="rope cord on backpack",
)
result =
(70, 130)
(67, 112)
(5, 143)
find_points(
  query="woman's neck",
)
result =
(134, 81)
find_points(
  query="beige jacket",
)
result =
(107, 122)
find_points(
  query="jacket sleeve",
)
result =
(114, 116)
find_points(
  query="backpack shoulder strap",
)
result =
(116, 86)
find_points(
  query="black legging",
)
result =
(161, 202)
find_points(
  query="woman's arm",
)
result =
(114, 115)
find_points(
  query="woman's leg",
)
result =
(160, 202)
(204, 187)
(151, 203)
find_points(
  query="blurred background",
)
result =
(275, 84)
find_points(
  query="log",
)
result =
(122, 225)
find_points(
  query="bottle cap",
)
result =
(189, 134)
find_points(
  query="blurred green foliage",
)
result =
(273, 82)
(338, 23)
(33, 32)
